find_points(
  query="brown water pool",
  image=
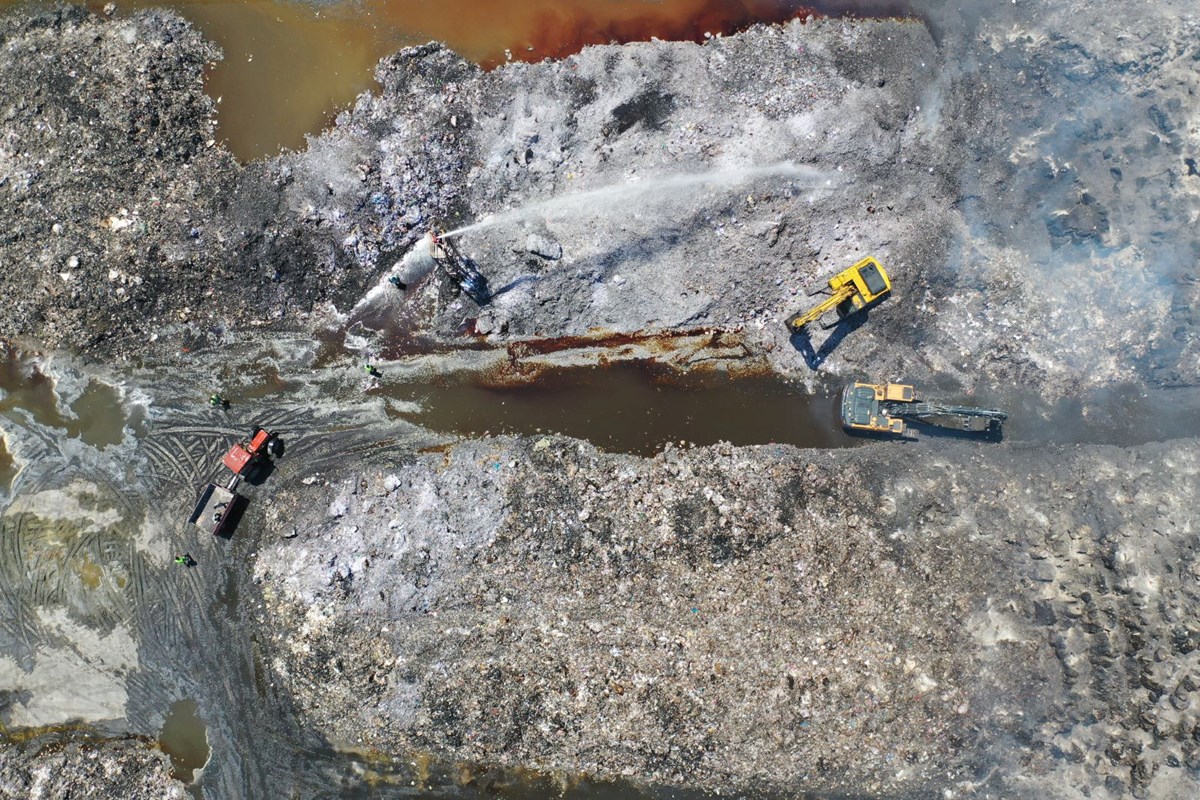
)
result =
(184, 738)
(629, 408)
(97, 415)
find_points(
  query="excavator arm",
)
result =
(851, 290)
(966, 418)
(797, 321)
(885, 408)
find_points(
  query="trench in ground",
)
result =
(630, 408)
(637, 407)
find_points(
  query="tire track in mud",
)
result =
(194, 639)
(194, 627)
(18, 608)
(184, 651)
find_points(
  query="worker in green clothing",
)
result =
(185, 559)
(370, 370)
(216, 401)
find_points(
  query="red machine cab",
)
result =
(242, 455)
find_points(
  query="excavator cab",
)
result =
(850, 291)
(861, 409)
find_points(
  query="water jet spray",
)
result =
(626, 195)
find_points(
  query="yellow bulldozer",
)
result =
(850, 291)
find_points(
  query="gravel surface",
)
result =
(122, 220)
(61, 765)
(725, 618)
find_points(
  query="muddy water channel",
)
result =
(629, 408)
(290, 66)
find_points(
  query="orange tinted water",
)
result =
(289, 67)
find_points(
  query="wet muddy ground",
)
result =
(90, 531)
(195, 677)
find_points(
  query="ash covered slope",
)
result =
(1029, 179)
(823, 106)
(1074, 135)
(1025, 179)
(1021, 619)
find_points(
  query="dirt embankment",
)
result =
(999, 170)
(79, 765)
(121, 218)
(1013, 619)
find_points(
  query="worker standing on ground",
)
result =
(216, 401)
(185, 560)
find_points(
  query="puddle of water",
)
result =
(99, 417)
(101, 421)
(631, 408)
(288, 67)
(25, 387)
(422, 775)
(8, 467)
(184, 738)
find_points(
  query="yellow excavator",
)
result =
(886, 407)
(850, 291)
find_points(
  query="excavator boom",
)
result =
(813, 314)
(962, 418)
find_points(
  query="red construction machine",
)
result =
(244, 457)
(220, 507)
